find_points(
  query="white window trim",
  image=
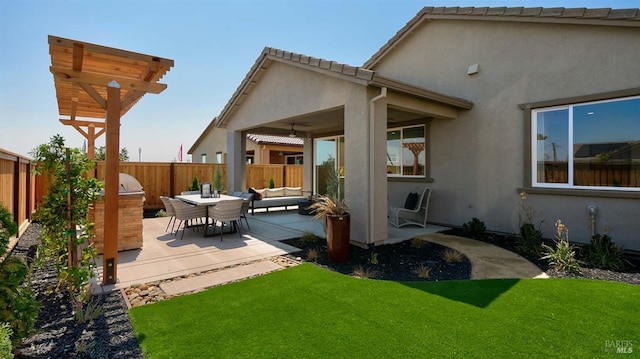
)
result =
(570, 179)
(401, 128)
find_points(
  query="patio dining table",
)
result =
(197, 200)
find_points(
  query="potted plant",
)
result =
(338, 223)
(336, 214)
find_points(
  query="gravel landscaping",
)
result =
(59, 335)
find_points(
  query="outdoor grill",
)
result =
(130, 212)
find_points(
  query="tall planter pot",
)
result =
(338, 228)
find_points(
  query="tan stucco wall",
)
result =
(477, 160)
(286, 91)
(215, 141)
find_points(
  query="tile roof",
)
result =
(275, 140)
(584, 16)
(332, 68)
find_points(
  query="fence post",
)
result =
(172, 184)
(16, 191)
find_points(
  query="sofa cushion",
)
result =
(293, 191)
(274, 192)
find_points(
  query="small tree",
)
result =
(100, 154)
(65, 209)
(217, 179)
(272, 183)
(195, 185)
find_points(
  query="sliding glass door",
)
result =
(329, 166)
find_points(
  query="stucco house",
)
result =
(211, 147)
(496, 97)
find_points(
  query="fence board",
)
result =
(17, 186)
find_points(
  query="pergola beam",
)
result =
(95, 95)
(103, 80)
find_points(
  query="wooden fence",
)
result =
(169, 179)
(17, 187)
(609, 174)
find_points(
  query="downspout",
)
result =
(383, 94)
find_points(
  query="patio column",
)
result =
(356, 124)
(236, 161)
(365, 128)
(378, 150)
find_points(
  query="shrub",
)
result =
(418, 243)
(217, 179)
(603, 253)
(312, 255)
(5, 341)
(364, 272)
(18, 305)
(272, 183)
(530, 237)
(8, 228)
(423, 271)
(563, 255)
(475, 228)
(309, 237)
(452, 256)
(195, 185)
(161, 213)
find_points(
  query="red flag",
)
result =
(180, 154)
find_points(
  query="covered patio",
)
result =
(351, 108)
(165, 256)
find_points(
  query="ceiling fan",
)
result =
(292, 131)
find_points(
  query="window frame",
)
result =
(569, 190)
(401, 128)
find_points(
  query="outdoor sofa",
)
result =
(274, 197)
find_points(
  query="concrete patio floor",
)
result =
(165, 256)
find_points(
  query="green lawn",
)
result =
(309, 312)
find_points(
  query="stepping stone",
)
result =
(217, 278)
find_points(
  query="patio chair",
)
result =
(414, 211)
(171, 213)
(187, 213)
(227, 211)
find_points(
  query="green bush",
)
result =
(474, 228)
(195, 185)
(603, 253)
(18, 305)
(563, 255)
(7, 227)
(530, 238)
(272, 183)
(5, 341)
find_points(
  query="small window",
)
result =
(218, 157)
(593, 145)
(406, 151)
(203, 158)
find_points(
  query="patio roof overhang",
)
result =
(99, 82)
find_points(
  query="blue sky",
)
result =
(213, 44)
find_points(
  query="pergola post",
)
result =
(111, 185)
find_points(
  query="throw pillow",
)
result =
(256, 195)
(412, 201)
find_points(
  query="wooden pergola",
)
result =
(95, 86)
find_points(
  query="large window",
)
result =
(587, 145)
(406, 151)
